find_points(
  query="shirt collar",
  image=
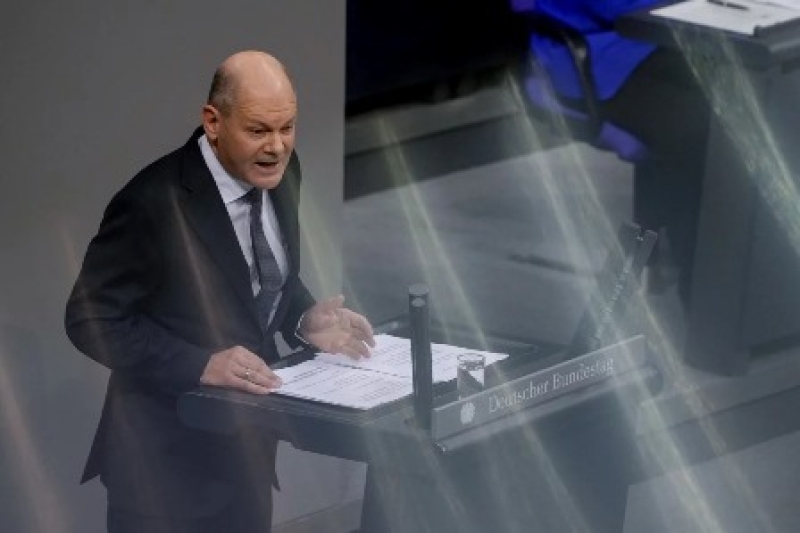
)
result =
(230, 188)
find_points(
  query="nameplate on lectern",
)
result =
(569, 377)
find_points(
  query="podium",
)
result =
(745, 294)
(548, 466)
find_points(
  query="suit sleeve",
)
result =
(105, 314)
(301, 302)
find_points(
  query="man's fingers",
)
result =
(360, 348)
(260, 374)
(353, 348)
(252, 374)
(239, 368)
(351, 320)
(255, 383)
(359, 327)
(324, 314)
(363, 328)
(247, 385)
(331, 304)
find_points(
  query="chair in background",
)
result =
(584, 121)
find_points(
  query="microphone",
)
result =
(422, 370)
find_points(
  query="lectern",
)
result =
(524, 461)
(549, 445)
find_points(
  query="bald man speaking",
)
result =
(193, 271)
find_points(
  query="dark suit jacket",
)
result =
(164, 284)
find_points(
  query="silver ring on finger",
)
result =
(248, 374)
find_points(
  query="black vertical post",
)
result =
(422, 371)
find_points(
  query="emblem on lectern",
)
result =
(467, 413)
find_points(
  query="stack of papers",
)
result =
(739, 16)
(365, 383)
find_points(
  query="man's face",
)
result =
(255, 140)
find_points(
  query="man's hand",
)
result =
(334, 329)
(239, 368)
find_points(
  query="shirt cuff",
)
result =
(300, 337)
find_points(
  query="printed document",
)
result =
(384, 377)
(739, 16)
(341, 385)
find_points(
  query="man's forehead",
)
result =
(267, 109)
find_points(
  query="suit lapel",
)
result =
(284, 202)
(206, 213)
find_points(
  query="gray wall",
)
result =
(91, 92)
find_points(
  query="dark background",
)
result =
(420, 50)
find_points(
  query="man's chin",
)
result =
(266, 179)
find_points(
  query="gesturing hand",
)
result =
(335, 329)
(239, 368)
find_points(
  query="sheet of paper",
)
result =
(341, 385)
(392, 355)
(740, 16)
(365, 383)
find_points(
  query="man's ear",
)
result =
(211, 122)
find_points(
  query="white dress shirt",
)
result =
(233, 192)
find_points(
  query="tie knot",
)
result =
(253, 197)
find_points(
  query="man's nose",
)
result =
(272, 143)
